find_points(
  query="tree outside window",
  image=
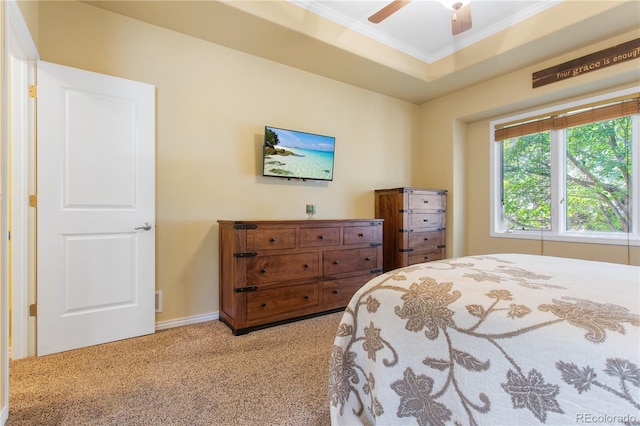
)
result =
(598, 176)
(526, 182)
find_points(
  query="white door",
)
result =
(95, 208)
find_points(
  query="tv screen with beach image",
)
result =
(297, 155)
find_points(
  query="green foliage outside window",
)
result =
(598, 175)
(526, 181)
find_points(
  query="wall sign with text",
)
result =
(595, 61)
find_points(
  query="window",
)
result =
(569, 174)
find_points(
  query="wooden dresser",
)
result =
(276, 271)
(414, 225)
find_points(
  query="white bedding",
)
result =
(504, 339)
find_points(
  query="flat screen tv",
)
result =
(297, 155)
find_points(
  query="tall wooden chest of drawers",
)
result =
(414, 225)
(276, 271)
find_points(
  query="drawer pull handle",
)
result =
(263, 270)
(272, 239)
(426, 220)
(321, 237)
(306, 297)
(306, 266)
(367, 258)
(361, 235)
(264, 305)
(335, 262)
(426, 258)
(243, 289)
(426, 201)
(426, 239)
(335, 292)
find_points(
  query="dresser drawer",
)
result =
(425, 201)
(426, 240)
(425, 220)
(425, 256)
(338, 293)
(268, 269)
(362, 234)
(270, 303)
(352, 260)
(270, 239)
(319, 237)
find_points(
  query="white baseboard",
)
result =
(4, 415)
(163, 325)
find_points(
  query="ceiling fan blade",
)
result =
(461, 19)
(388, 10)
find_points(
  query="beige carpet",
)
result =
(193, 375)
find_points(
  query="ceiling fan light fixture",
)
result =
(460, 19)
(454, 4)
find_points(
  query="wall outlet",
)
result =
(158, 301)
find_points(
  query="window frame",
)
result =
(558, 230)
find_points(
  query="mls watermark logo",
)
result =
(589, 418)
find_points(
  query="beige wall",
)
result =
(455, 156)
(212, 106)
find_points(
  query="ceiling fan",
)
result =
(460, 20)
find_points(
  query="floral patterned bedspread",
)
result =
(503, 339)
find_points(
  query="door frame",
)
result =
(22, 180)
(18, 43)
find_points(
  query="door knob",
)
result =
(145, 227)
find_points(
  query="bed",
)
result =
(504, 339)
